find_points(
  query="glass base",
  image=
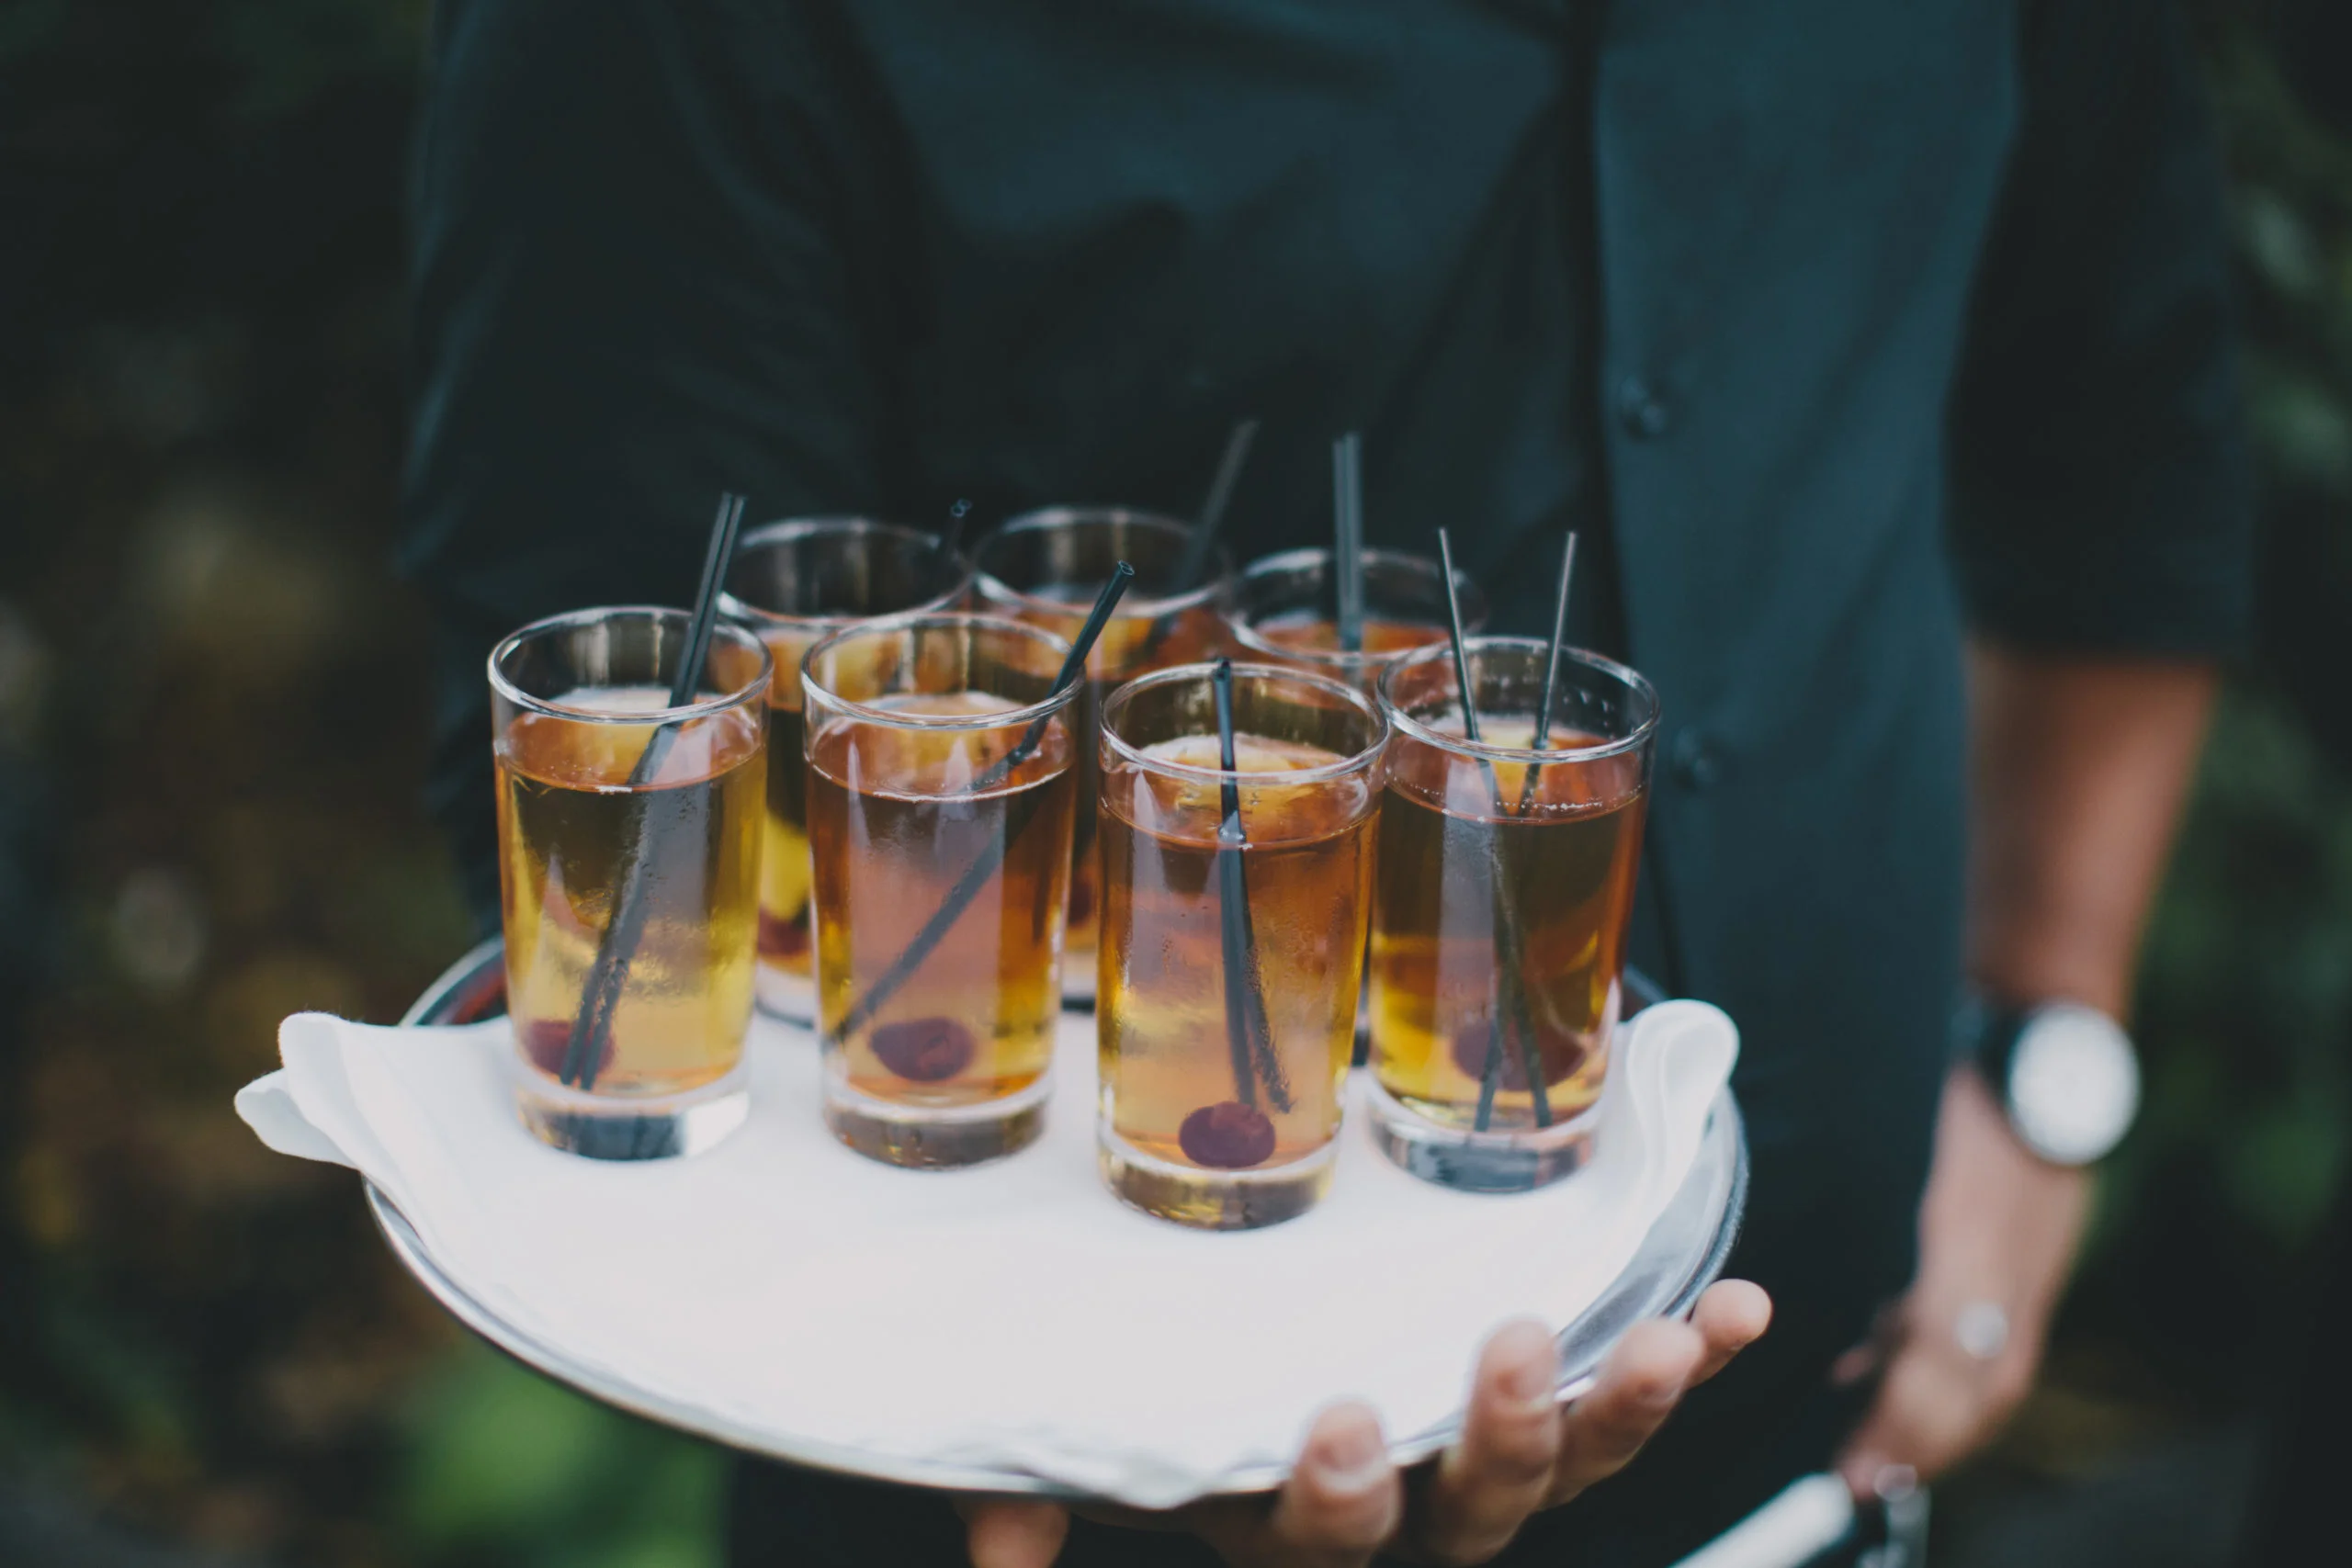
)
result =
(1078, 978)
(937, 1138)
(782, 994)
(1518, 1160)
(603, 1127)
(1213, 1200)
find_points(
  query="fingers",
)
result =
(1519, 1452)
(1647, 1376)
(1935, 1404)
(1341, 1502)
(1924, 1415)
(1004, 1532)
(1484, 1486)
(1730, 1315)
(1640, 1384)
(1888, 1327)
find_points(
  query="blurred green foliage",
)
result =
(505, 1467)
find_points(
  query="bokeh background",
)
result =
(211, 734)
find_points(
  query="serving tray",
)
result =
(1683, 1253)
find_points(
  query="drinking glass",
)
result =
(1233, 939)
(1045, 568)
(628, 837)
(941, 790)
(795, 583)
(1285, 608)
(1505, 886)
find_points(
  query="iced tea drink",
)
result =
(942, 795)
(1286, 607)
(1506, 885)
(795, 583)
(628, 854)
(1235, 902)
(1045, 568)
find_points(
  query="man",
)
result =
(1879, 351)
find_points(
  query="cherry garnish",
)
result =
(545, 1041)
(1227, 1135)
(1562, 1054)
(923, 1050)
(784, 937)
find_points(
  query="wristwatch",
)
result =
(2065, 1072)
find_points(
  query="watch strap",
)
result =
(1984, 1034)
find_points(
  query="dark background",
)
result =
(211, 733)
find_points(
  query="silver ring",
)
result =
(1983, 1330)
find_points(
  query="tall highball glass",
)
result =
(795, 583)
(1233, 939)
(1285, 608)
(1506, 884)
(1045, 568)
(629, 838)
(941, 789)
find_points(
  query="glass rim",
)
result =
(846, 526)
(1355, 763)
(1133, 606)
(704, 707)
(867, 713)
(1405, 724)
(1246, 631)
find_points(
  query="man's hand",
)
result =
(1520, 1452)
(1997, 1229)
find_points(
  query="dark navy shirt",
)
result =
(1844, 325)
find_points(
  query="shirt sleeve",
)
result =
(2101, 494)
(631, 292)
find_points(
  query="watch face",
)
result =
(2074, 1084)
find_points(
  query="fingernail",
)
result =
(1349, 1458)
(1530, 1383)
(1658, 1396)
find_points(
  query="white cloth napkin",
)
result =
(1014, 1315)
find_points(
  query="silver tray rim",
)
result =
(1664, 1279)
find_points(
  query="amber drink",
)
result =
(941, 798)
(1045, 567)
(795, 583)
(628, 854)
(1224, 1025)
(1506, 883)
(1285, 608)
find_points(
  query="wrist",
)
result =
(1998, 1227)
(2048, 971)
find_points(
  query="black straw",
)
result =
(959, 516)
(1214, 505)
(600, 996)
(1072, 665)
(1454, 631)
(1347, 518)
(1017, 815)
(1511, 979)
(1249, 1031)
(1551, 672)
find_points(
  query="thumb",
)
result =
(1003, 1533)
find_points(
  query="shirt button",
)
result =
(1696, 762)
(1643, 410)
